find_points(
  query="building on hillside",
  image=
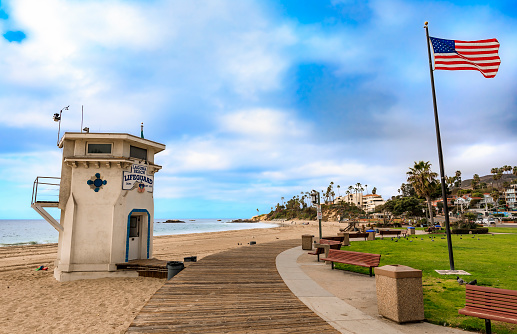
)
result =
(371, 201)
(485, 201)
(509, 196)
(450, 200)
(366, 202)
(356, 199)
(462, 202)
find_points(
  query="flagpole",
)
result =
(440, 155)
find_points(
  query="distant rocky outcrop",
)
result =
(259, 218)
(242, 221)
(174, 221)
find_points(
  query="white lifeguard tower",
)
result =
(106, 202)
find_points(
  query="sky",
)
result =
(254, 100)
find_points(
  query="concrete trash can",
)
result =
(307, 241)
(173, 268)
(371, 235)
(411, 230)
(400, 295)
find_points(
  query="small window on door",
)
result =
(134, 227)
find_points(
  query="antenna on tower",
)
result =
(85, 129)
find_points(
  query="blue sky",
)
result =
(255, 100)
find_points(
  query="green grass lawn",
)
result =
(491, 259)
(503, 229)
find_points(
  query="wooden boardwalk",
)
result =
(237, 291)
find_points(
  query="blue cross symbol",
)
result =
(96, 182)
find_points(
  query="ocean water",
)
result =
(38, 231)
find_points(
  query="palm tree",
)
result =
(423, 181)
(458, 179)
(495, 195)
(358, 188)
(350, 189)
(338, 194)
(475, 181)
(366, 186)
(499, 175)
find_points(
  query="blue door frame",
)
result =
(148, 230)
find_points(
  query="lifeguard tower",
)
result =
(106, 201)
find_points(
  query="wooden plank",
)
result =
(236, 291)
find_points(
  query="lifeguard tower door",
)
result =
(135, 230)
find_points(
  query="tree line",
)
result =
(299, 206)
(422, 187)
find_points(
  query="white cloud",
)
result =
(128, 59)
(23, 168)
(265, 123)
(479, 158)
(254, 58)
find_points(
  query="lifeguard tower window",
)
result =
(137, 152)
(99, 148)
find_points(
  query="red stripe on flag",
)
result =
(491, 40)
(477, 53)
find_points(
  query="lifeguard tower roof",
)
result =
(111, 136)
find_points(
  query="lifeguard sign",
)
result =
(103, 223)
(138, 176)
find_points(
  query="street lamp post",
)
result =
(316, 201)
(57, 118)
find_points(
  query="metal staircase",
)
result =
(45, 194)
(350, 226)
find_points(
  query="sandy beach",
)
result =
(34, 302)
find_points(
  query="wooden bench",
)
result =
(355, 258)
(358, 235)
(337, 238)
(391, 232)
(321, 250)
(490, 304)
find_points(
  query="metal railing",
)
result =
(46, 190)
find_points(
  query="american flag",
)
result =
(467, 55)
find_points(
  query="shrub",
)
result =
(481, 230)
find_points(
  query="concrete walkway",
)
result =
(325, 291)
